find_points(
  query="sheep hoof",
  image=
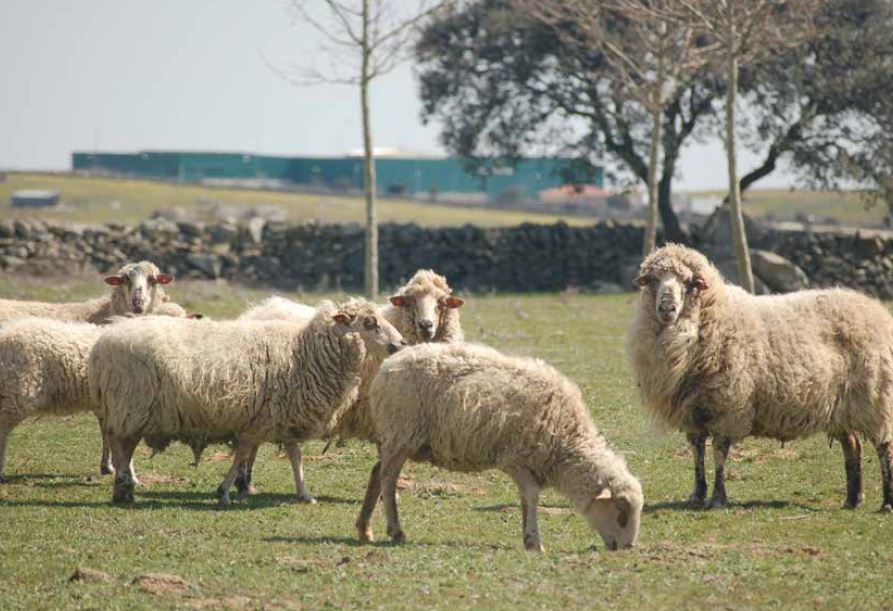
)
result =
(696, 501)
(122, 495)
(397, 536)
(306, 498)
(720, 503)
(887, 508)
(222, 497)
(364, 534)
(534, 546)
(106, 470)
(853, 503)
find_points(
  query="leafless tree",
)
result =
(363, 39)
(747, 31)
(650, 44)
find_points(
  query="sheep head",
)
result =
(139, 285)
(674, 281)
(616, 517)
(424, 301)
(377, 334)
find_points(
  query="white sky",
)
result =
(124, 75)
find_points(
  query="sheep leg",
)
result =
(529, 491)
(373, 491)
(721, 447)
(122, 457)
(885, 454)
(243, 450)
(105, 462)
(293, 451)
(4, 435)
(698, 497)
(852, 460)
(391, 463)
(243, 481)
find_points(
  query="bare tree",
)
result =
(745, 32)
(363, 39)
(651, 47)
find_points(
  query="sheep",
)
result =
(43, 371)
(470, 408)
(251, 381)
(425, 310)
(710, 359)
(138, 290)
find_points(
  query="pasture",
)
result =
(784, 542)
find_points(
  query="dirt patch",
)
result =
(159, 478)
(161, 584)
(232, 602)
(86, 575)
(220, 456)
(671, 552)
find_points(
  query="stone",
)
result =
(779, 274)
(256, 228)
(84, 574)
(209, 265)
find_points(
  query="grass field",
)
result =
(784, 543)
(99, 200)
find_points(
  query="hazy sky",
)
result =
(124, 75)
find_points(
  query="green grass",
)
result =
(99, 200)
(783, 204)
(785, 543)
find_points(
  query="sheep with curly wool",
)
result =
(43, 371)
(138, 290)
(423, 310)
(713, 360)
(251, 381)
(470, 408)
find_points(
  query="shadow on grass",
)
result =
(383, 542)
(507, 507)
(685, 506)
(54, 480)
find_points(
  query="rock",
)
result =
(779, 274)
(256, 228)
(84, 574)
(729, 270)
(161, 583)
(207, 264)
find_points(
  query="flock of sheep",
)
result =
(709, 359)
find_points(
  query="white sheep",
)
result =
(470, 408)
(710, 359)
(138, 290)
(425, 310)
(250, 381)
(43, 371)
(422, 310)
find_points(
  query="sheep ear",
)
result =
(640, 281)
(604, 495)
(453, 302)
(342, 318)
(196, 316)
(700, 283)
(164, 278)
(399, 301)
(114, 280)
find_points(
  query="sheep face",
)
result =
(671, 294)
(616, 518)
(140, 284)
(379, 336)
(425, 310)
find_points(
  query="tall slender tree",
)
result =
(363, 39)
(745, 32)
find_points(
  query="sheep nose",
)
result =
(426, 324)
(667, 308)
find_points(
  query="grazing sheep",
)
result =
(250, 381)
(138, 290)
(469, 408)
(710, 359)
(43, 371)
(425, 310)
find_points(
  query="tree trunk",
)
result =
(370, 187)
(672, 229)
(739, 237)
(651, 220)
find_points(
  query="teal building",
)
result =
(397, 175)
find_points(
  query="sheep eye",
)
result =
(370, 323)
(153, 281)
